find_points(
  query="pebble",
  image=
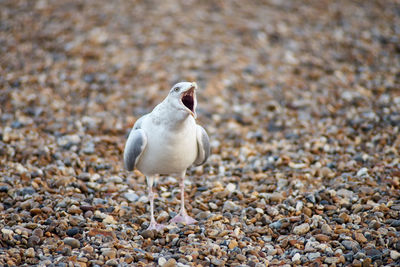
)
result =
(322, 237)
(74, 210)
(112, 262)
(362, 172)
(276, 225)
(296, 258)
(161, 261)
(148, 234)
(301, 229)
(30, 253)
(350, 245)
(132, 197)
(73, 231)
(313, 255)
(326, 229)
(33, 241)
(109, 252)
(359, 237)
(170, 263)
(331, 260)
(231, 187)
(72, 242)
(232, 244)
(230, 206)
(395, 255)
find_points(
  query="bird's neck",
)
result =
(172, 117)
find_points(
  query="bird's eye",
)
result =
(176, 89)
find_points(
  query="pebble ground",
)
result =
(301, 100)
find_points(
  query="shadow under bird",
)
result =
(167, 141)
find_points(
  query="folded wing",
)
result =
(134, 147)
(203, 146)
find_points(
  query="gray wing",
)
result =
(134, 146)
(203, 146)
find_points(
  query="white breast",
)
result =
(168, 151)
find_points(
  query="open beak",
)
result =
(188, 99)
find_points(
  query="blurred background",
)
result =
(297, 97)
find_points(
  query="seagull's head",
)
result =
(182, 96)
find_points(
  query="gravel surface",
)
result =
(301, 100)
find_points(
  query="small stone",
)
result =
(331, 260)
(299, 205)
(313, 255)
(360, 255)
(131, 197)
(112, 262)
(128, 259)
(394, 254)
(7, 231)
(322, 237)
(301, 229)
(345, 217)
(362, 172)
(241, 257)
(359, 237)
(213, 206)
(260, 210)
(395, 223)
(162, 261)
(276, 225)
(38, 232)
(29, 253)
(111, 253)
(170, 263)
(374, 254)
(217, 262)
(163, 216)
(272, 211)
(35, 211)
(147, 234)
(367, 262)
(203, 215)
(344, 193)
(296, 258)
(232, 244)
(74, 210)
(307, 211)
(89, 148)
(72, 242)
(73, 231)
(230, 206)
(326, 229)
(231, 187)
(109, 220)
(33, 241)
(273, 197)
(350, 245)
(4, 188)
(88, 249)
(356, 263)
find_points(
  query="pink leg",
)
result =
(182, 216)
(153, 223)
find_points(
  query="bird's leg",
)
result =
(182, 216)
(153, 223)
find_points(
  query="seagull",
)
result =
(167, 141)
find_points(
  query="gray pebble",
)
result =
(72, 242)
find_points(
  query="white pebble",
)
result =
(362, 172)
(394, 254)
(296, 258)
(231, 187)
